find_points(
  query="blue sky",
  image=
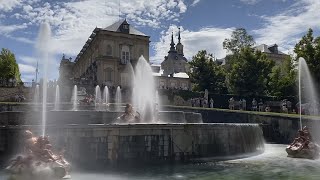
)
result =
(204, 24)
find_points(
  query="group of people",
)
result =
(242, 104)
(202, 102)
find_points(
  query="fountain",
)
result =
(74, 98)
(304, 145)
(118, 99)
(36, 96)
(144, 90)
(106, 96)
(97, 98)
(43, 46)
(57, 99)
(38, 161)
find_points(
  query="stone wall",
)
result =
(277, 127)
(143, 143)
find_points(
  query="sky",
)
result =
(204, 25)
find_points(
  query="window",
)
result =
(108, 74)
(109, 50)
(125, 26)
(125, 55)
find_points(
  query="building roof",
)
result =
(115, 27)
(181, 75)
(268, 49)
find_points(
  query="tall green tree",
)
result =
(9, 68)
(309, 48)
(239, 39)
(283, 79)
(206, 73)
(249, 74)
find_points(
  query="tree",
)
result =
(249, 74)
(309, 48)
(283, 79)
(206, 73)
(239, 39)
(9, 68)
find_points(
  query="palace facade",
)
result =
(105, 57)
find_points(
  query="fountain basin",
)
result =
(88, 117)
(137, 143)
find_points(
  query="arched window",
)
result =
(108, 72)
(125, 55)
(109, 50)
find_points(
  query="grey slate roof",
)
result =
(115, 27)
(266, 49)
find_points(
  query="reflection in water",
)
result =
(273, 164)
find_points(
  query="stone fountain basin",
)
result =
(88, 117)
(136, 143)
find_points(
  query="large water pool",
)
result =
(272, 164)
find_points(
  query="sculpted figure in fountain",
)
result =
(302, 146)
(129, 116)
(38, 157)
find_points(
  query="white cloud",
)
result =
(208, 38)
(9, 5)
(27, 59)
(6, 29)
(250, 2)
(195, 2)
(287, 28)
(72, 22)
(24, 68)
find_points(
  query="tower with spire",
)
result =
(179, 46)
(175, 62)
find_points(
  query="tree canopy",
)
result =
(9, 68)
(309, 48)
(283, 79)
(249, 74)
(206, 73)
(239, 39)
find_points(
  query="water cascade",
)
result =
(43, 47)
(118, 99)
(308, 97)
(144, 90)
(106, 96)
(36, 96)
(74, 98)
(57, 99)
(97, 98)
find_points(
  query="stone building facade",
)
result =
(174, 69)
(106, 56)
(175, 62)
(272, 53)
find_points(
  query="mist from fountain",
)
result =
(43, 46)
(36, 96)
(97, 98)
(308, 96)
(106, 96)
(143, 95)
(57, 99)
(118, 99)
(74, 98)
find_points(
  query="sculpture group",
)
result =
(303, 146)
(38, 161)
